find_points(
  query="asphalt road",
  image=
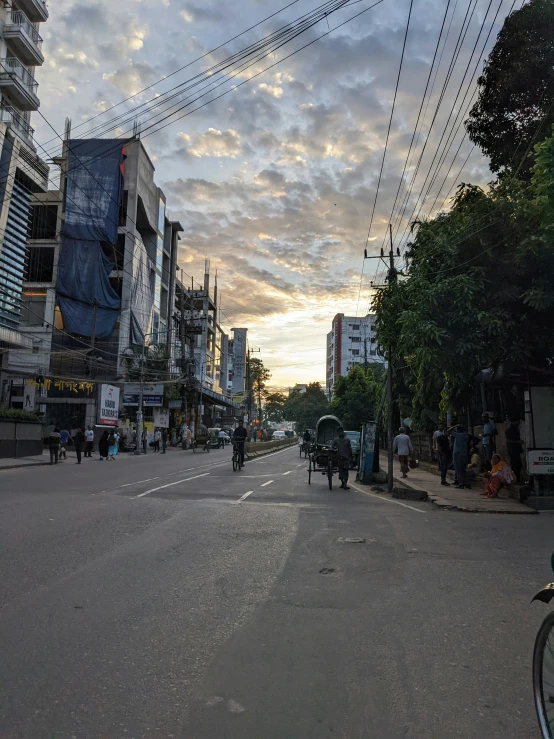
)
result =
(148, 597)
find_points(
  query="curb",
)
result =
(25, 464)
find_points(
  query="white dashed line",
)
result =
(138, 482)
(245, 496)
(287, 473)
(266, 483)
(169, 484)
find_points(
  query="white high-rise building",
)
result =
(22, 172)
(351, 341)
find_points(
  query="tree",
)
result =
(514, 108)
(258, 377)
(356, 397)
(274, 407)
(305, 409)
(476, 297)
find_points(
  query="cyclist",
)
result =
(240, 435)
(306, 440)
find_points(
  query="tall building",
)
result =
(22, 172)
(351, 341)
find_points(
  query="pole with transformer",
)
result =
(391, 279)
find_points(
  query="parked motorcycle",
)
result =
(543, 665)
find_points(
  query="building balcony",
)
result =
(19, 83)
(36, 10)
(24, 38)
(16, 122)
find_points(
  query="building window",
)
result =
(373, 352)
(40, 264)
(355, 352)
(355, 339)
(44, 219)
(33, 306)
(355, 327)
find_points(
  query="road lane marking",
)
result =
(267, 457)
(386, 500)
(138, 482)
(169, 484)
(266, 483)
(287, 473)
(245, 496)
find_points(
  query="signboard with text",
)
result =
(152, 395)
(108, 405)
(540, 461)
(161, 418)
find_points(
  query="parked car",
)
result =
(279, 435)
(355, 442)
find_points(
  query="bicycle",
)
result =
(543, 666)
(237, 460)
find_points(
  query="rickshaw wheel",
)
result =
(330, 472)
(309, 470)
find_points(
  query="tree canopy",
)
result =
(356, 397)
(305, 409)
(514, 108)
(274, 407)
(480, 290)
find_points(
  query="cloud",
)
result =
(212, 143)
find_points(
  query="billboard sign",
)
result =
(161, 418)
(540, 461)
(108, 405)
(239, 359)
(152, 395)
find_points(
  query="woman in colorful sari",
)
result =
(499, 476)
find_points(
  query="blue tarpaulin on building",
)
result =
(93, 193)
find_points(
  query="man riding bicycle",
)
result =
(240, 435)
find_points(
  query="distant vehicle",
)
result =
(355, 442)
(279, 435)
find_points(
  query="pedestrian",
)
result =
(436, 434)
(460, 454)
(89, 445)
(515, 447)
(188, 437)
(64, 439)
(488, 438)
(402, 445)
(79, 443)
(104, 446)
(345, 456)
(157, 437)
(498, 477)
(112, 444)
(221, 439)
(475, 466)
(54, 445)
(442, 445)
(164, 440)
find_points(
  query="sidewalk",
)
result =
(10, 463)
(452, 498)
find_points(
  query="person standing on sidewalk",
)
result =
(157, 437)
(460, 454)
(79, 442)
(64, 440)
(402, 445)
(443, 450)
(164, 440)
(488, 440)
(89, 445)
(54, 445)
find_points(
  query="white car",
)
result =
(279, 435)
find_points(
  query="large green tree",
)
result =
(480, 289)
(514, 109)
(305, 409)
(356, 397)
(274, 407)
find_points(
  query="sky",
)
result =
(276, 180)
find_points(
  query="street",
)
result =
(166, 596)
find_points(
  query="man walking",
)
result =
(164, 440)
(343, 448)
(489, 432)
(54, 445)
(79, 442)
(402, 445)
(221, 439)
(89, 443)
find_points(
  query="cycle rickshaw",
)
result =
(323, 458)
(201, 439)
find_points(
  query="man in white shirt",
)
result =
(221, 439)
(89, 446)
(402, 445)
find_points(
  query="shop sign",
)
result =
(540, 461)
(108, 406)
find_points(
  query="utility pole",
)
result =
(139, 447)
(391, 279)
(184, 363)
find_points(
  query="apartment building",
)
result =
(22, 172)
(351, 341)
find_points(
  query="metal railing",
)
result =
(18, 20)
(17, 121)
(12, 67)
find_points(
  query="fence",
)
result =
(20, 439)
